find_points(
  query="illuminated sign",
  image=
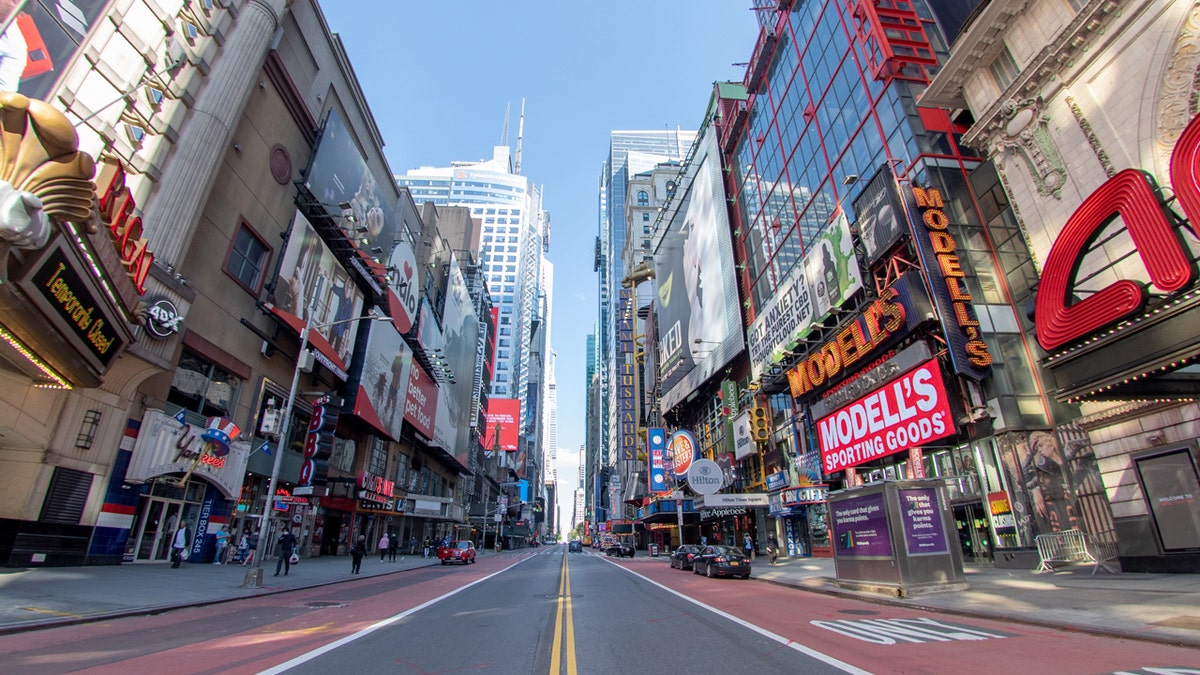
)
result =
(813, 494)
(1133, 196)
(913, 410)
(116, 214)
(65, 294)
(376, 484)
(681, 451)
(899, 308)
(626, 378)
(968, 352)
(656, 450)
(162, 318)
(318, 444)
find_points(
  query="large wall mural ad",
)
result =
(699, 318)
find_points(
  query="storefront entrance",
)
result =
(974, 535)
(157, 518)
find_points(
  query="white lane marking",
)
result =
(309, 656)
(807, 651)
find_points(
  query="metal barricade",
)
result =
(1075, 546)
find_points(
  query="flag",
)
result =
(265, 448)
(181, 417)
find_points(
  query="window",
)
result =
(247, 258)
(203, 387)
(1004, 68)
(646, 217)
(377, 464)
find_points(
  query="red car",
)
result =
(457, 551)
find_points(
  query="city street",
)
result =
(545, 611)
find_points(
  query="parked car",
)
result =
(620, 549)
(457, 551)
(681, 558)
(724, 561)
(575, 546)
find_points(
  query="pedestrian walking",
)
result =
(748, 545)
(179, 545)
(772, 547)
(357, 552)
(393, 546)
(412, 545)
(426, 553)
(286, 549)
(384, 542)
(222, 544)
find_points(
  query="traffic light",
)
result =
(760, 423)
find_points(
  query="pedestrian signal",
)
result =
(760, 424)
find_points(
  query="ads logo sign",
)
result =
(1132, 195)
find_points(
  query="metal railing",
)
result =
(1076, 546)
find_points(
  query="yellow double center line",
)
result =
(564, 607)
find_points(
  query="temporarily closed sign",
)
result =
(910, 411)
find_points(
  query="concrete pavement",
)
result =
(1157, 607)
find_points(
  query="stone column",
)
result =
(174, 209)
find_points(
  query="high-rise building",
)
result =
(515, 232)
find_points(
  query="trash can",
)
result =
(654, 550)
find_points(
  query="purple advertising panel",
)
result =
(699, 313)
(860, 527)
(922, 518)
(349, 190)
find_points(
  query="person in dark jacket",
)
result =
(393, 546)
(284, 547)
(357, 552)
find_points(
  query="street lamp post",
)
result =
(255, 573)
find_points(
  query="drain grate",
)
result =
(320, 604)
(858, 612)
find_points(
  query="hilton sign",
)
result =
(1105, 345)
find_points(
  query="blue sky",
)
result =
(438, 76)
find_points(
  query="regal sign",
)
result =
(1132, 195)
(116, 215)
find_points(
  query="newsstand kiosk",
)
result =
(893, 537)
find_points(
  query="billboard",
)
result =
(460, 330)
(310, 277)
(503, 415)
(339, 175)
(878, 212)
(911, 411)
(385, 375)
(404, 290)
(827, 276)
(420, 401)
(699, 314)
(42, 40)
(656, 450)
(627, 410)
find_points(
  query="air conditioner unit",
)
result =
(306, 362)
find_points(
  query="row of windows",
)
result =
(482, 211)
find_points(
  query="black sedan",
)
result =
(723, 561)
(620, 550)
(681, 558)
(575, 546)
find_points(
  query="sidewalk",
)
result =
(1157, 607)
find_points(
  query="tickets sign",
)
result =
(911, 411)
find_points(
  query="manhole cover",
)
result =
(858, 612)
(324, 604)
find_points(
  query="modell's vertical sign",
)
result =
(968, 352)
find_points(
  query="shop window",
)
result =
(247, 259)
(203, 388)
(401, 470)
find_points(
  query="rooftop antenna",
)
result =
(504, 133)
(520, 134)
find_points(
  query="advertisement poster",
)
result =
(385, 375)
(460, 340)
(877, 210)
(860, 527)
(743, 442)
(912, 410)
(681, 452)
(921, 517)
(827, 277)
(311, 278)
(420, 401)
(339, 175)
(503, 416)
(699, 314)
(40, 42)
(1173, 491)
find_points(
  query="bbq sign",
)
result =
(911, 411)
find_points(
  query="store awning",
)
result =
(331, 359)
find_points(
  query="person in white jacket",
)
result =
(178, 545)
